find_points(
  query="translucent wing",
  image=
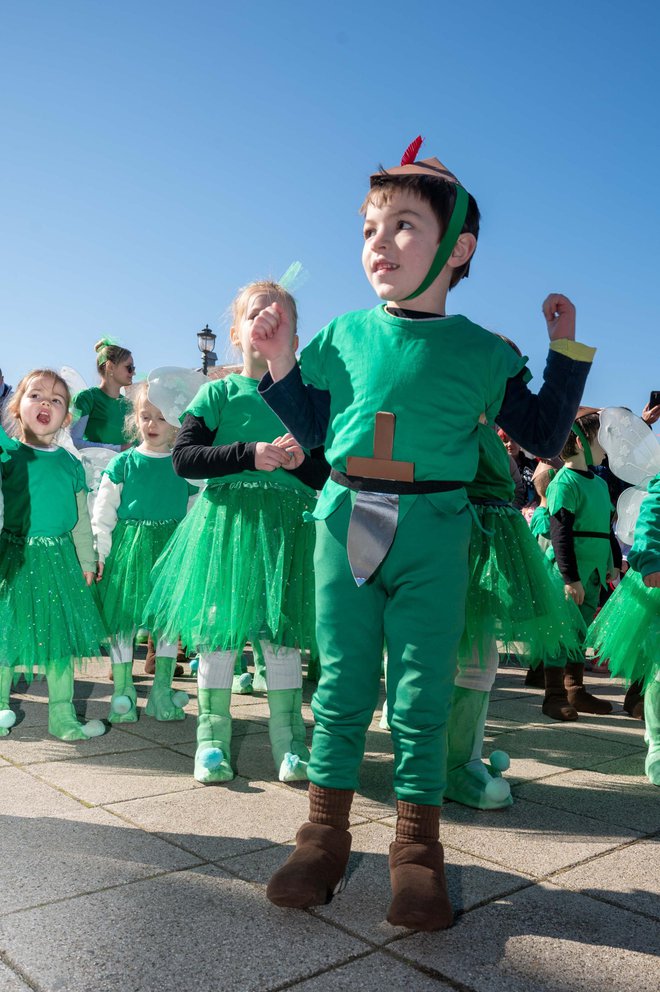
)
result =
(173, 389)
(627, 510)
(73, 379)
(632, 449)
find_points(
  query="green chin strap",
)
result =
(579, 433)
(447, 243)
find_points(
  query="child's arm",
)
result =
(83, 539)
(194, 456)
(563, 543)
(541, 422)
(312, 469)
(104, 518)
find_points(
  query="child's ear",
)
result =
(67, 420)
(295, 342)
(463, 250)
(233, 336)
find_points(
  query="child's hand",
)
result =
(89, 577)
(268, 457)
(100, 565)
(612, 575)
(652, 580)
(296, 454)
(575, 591)
(272, 337)
(559, 314)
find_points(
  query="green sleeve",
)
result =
(505, 364)
(116, 469)
(83, 538)
(561, 495)
(209, 403)
(192, 490)
(644, 556)
(313, 364)
(83, 402)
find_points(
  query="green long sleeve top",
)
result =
(644, 556)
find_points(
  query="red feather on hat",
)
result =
(410, 153)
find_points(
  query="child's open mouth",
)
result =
(385, 267)
(43, 417)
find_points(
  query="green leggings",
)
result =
(415, 603)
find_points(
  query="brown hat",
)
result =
(425, 167)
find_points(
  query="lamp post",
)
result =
(206, 344)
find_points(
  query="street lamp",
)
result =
(206, 344)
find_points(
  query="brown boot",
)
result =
(633, 704)
(535, 677)
(312, 872)
(420, 899)
(555, 703)
(578, 696)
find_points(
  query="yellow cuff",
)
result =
(573, 349)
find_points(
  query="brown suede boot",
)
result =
(535, 677)
(578, 696)
(555, 703)
(420, 899)
(312, 872)
(633, 704)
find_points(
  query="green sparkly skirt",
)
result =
(514, 595)
(47, 612)
(626, 632)
(125, 587)
(239, 565)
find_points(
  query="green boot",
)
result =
(652, 732)
(62, 719)
(259, 683)
(298, 728)
(213, 755)
(282, 705)
(7, 716)
(469, 781)
(163, 703)
(123, 705)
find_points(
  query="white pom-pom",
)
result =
(180, 698)
(7, 719)
(93, 728)
(121, 704)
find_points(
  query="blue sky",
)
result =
(160, 154)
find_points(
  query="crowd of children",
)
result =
(415, 544)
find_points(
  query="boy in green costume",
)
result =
(393, 530)
(580, 516)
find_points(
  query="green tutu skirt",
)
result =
(47, 611)
(626, 632)
(239, 565)
(513, 595)
(125, 587)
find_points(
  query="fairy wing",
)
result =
(633, 451)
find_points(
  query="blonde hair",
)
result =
(140, 396)
(108, 350)
(14, 405)
(269, 287)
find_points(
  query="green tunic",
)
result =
(437, 376)
(589, 500)
(39, 488)
(233, 408)
(644, 556)
(151, 489)
(493, 480)
(106, 415)
(540, 524)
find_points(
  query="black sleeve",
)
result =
(540, 422)
(304, 410)
(314, 470)
(617, 556)
(561, 534)
(194, 457)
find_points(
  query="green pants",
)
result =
(415, 603)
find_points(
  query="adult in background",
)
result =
(5, 392)
(102, 410)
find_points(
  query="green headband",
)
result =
(448, 241)
(579, 433)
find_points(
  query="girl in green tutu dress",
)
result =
(239, 567)
(48, 616)
(139, 504)
(512, 599)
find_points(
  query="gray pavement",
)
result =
(120, 872)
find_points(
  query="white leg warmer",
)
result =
(166, 650)
(283, 666)
(121, 652)
(478, 674)
(216, 670)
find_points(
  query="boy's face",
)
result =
(400, 241)
(597, 451)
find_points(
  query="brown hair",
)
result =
(140, 396)
(263, 286)
(13, 407)
(441, 197)
(542, 479)
(589, 425)
(108, 351)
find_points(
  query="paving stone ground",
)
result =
(119, 872)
